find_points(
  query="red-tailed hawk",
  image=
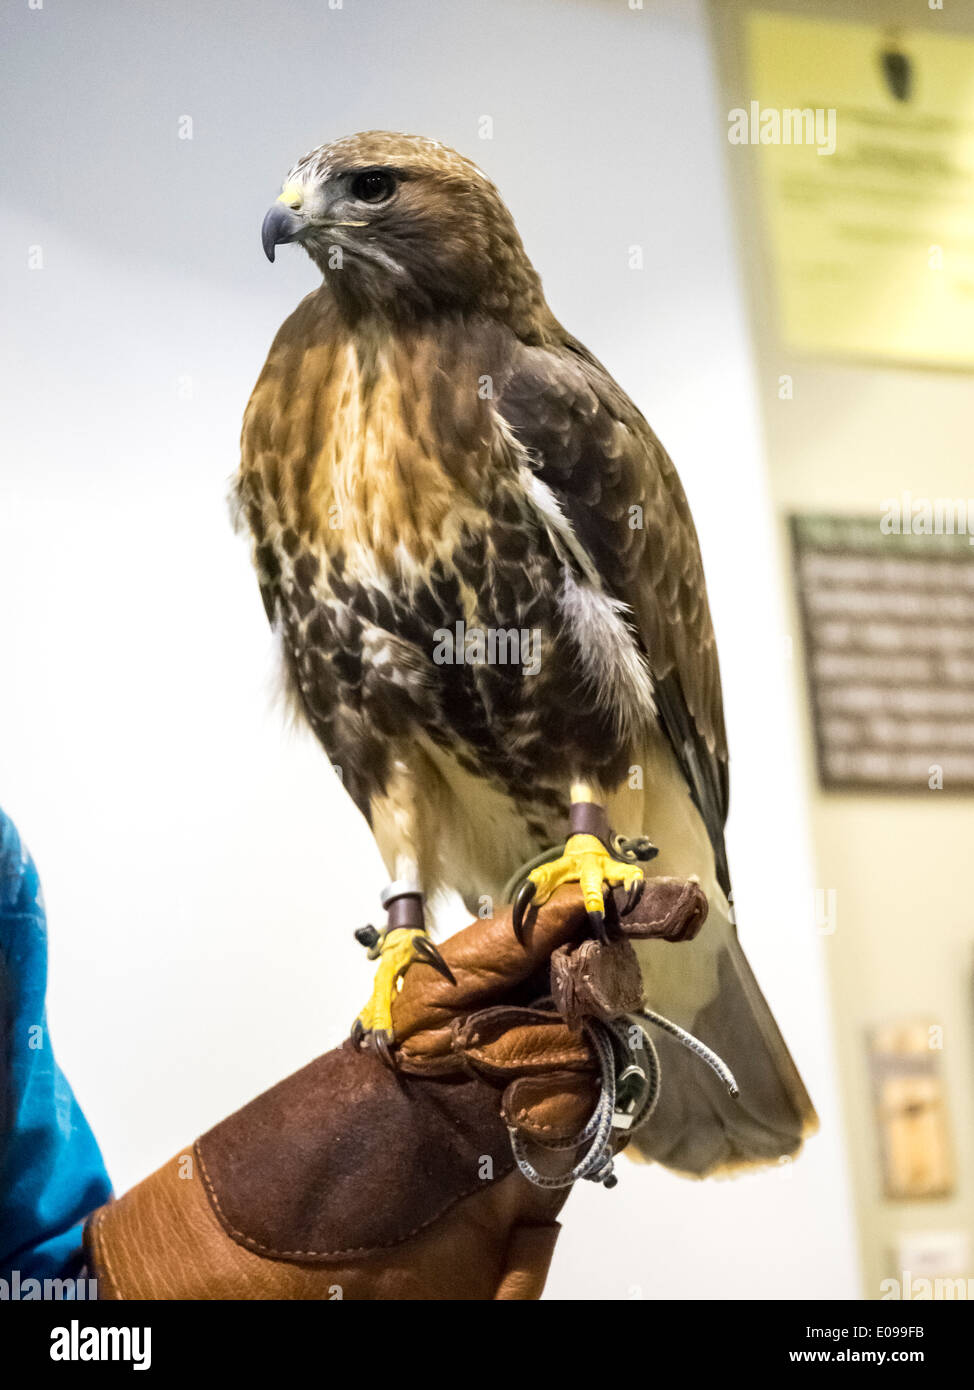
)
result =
(490, 599)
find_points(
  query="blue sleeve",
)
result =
(51, 1170)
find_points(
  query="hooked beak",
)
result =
(281, 224)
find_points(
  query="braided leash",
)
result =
(623, 1067)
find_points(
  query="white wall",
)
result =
(203, 869)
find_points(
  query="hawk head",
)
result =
(403, 226)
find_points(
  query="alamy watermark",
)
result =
(913, 1289)
(907, 515)
(492, 646)
(18, 1289)
(792, 125)
(77, 1343)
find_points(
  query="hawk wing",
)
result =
(601, 460)
(618, 488)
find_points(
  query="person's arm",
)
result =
(51, 1170)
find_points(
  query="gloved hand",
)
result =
(354, 1180)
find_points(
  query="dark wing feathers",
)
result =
(597, 454)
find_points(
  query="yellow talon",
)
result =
(396, 953)
(397, 949)
(587, 862)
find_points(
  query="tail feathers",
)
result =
(698, 1128)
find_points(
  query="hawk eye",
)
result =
(374, 186)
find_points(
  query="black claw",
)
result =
(367, 936)
(596, 921)
(633, 897)
(358, 1032)
(525, 894)
(380, 1041)
(613, 927)
(430, 955)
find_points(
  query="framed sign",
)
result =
(865, 150)
(888, 622)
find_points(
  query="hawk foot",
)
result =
(587, 862)
(396, 949)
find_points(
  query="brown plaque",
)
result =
(888, 619)
(911, 1111)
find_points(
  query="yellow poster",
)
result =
(866, 154)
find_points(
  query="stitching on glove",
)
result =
(101, 1253)
(519, 1061)
(261, 1249)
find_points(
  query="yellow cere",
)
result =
(292, 195)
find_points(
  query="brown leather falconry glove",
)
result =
(354, 1180)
